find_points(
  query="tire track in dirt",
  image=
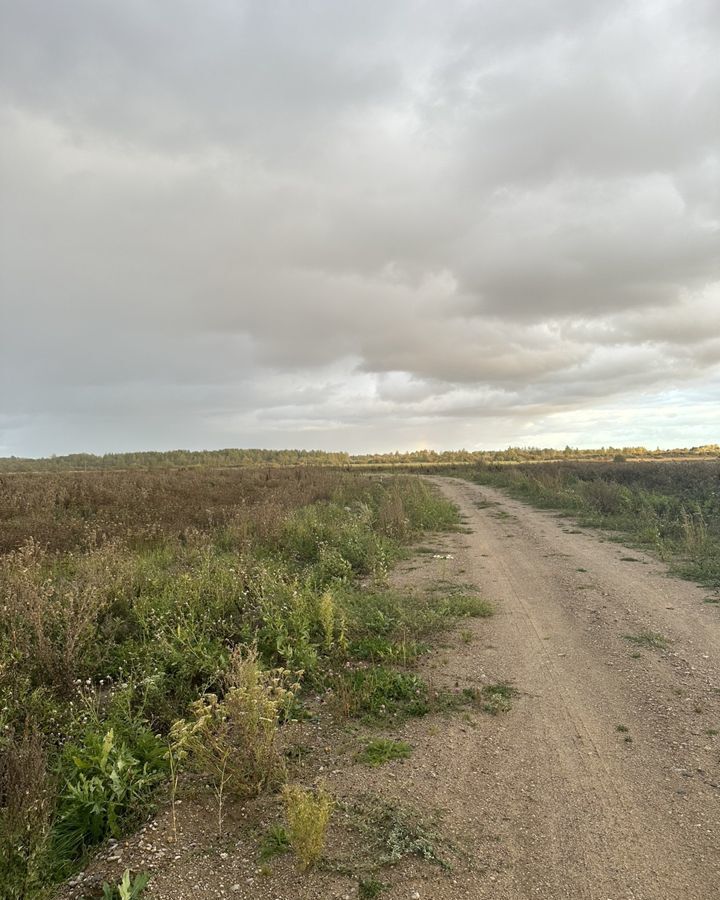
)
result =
(610, 819)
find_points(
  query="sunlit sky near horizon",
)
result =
(358, 226)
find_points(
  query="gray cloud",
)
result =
(356, 224)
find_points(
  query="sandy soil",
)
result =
(550, 800)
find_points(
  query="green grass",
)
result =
(380, 694)
(370, 888)
(493, 698)
(395, 627)
(382, 750)
(129, 887)
(275, 842)
(653, 640)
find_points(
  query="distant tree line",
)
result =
(256, 457)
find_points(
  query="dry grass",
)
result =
(59, 511)
(307, 813)
(50, 614)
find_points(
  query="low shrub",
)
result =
(233, 740)
(308, 814)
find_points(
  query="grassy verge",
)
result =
(154, 625)
(672, 509)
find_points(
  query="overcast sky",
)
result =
(359, 225)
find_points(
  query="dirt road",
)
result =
(604, 780)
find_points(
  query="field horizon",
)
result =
(246, 456)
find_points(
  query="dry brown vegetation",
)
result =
(63, 511)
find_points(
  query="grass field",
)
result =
(157, 623)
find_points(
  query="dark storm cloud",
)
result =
(356, 224)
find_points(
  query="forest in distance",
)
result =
(260, 457)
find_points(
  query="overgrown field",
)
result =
(163, 623)
(672, 508)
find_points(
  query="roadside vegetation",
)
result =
(163, 626)
(671, 508)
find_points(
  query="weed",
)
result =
(380, 693)
(52, 618)
(26, 801)
(623, 729)
(382, 750)
(307, 813)
(397, 833)
(466, 636)
(650, 639)
(128, 889)
(370, 888)
(130, 601)
(275, 842)
(493, 698)
(234, 740)
(106, 790)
